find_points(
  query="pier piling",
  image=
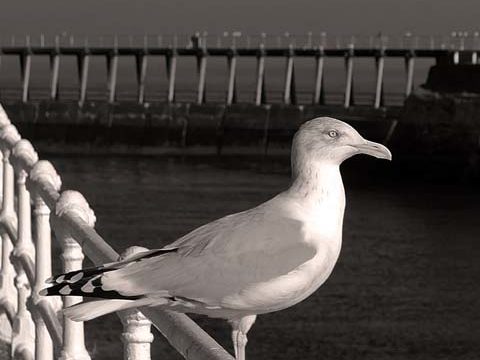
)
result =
(289, 96)
(318, 96)
(141, 62)
(26, 66)
(348, 98)
(232, 67)
(260, 86)
(112, 70)
(202, 77)
(410, 66)
(380, 63)
(55, 69)
(171, 60)
(83, 62)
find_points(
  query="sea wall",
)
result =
(185, 128)
(433, 135)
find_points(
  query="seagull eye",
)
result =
(332, 133)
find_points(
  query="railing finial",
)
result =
(24, 156)
(44, 172)
(9, 136)
(73, 201)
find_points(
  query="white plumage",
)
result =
(257, 261)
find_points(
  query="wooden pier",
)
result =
(234, 48)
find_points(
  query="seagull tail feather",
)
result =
(92, 309)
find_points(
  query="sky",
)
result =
(137, 17)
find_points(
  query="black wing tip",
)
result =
(74, 276)
(72, 283)
(76, 289)
(61, 289)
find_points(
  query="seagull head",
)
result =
(332, 141)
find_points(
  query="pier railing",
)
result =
(34, 326)
(233, 46)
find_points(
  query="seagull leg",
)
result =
(240, 329)
(235, 341)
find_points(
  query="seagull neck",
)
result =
(315, 180)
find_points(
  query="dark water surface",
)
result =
(406, 285)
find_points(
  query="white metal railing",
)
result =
(33, 325)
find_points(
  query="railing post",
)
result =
(43, 172)
(8, 299)
(5, 325)
(23, 341)
(137, 335)
(72, 257)
(8, 221)
(23, 158)
(23, 334)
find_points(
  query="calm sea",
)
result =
(406, 285)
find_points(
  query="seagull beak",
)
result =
(374, 149)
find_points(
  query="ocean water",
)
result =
(406, 285)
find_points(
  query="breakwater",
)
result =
(431, 133)
(183, 128)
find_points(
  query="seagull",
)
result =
(257, 261)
